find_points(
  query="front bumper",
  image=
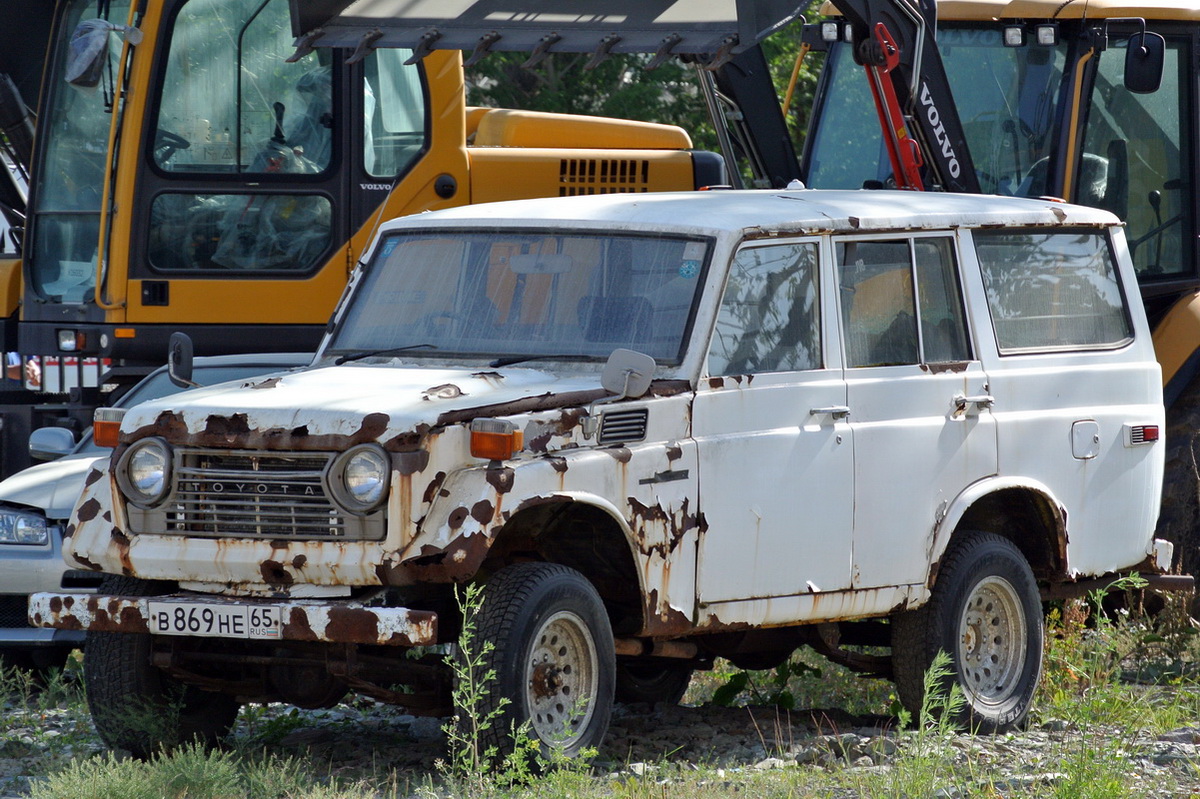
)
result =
(336, 622)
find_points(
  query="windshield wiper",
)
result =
(358, 356)
(509, 360)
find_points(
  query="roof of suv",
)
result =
(808, 211)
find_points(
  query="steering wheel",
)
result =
(166, 144)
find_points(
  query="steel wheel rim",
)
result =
(562, 679)
(992, 641)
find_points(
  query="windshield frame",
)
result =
(363, 281)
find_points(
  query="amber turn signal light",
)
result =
(495, 439)
(106, 426)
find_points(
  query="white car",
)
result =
(36, 502)
(657, 429)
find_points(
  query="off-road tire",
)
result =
(552, 656)
(651, 681)
(985, 612)
(138, 707)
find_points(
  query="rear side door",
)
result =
(919, 398)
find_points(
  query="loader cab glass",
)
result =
(66, 195)
(1006, 98)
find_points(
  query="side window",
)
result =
(901, 302)
(943, 327)
(770, 315)
(1052, 291)
(879, 315)
(1137, 159)
(394, 112)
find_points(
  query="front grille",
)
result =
(13, 611)
(602, 176)
(259, 495)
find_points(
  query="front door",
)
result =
(776, 461)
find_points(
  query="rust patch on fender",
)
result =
(89, 510)
(457, 517)
(457, 562)
(299, 561)
(674, 452)
(120, 538)
(716, 382)
(558, 463)
(70, 531)
(273, 573)
(620, 454)
(674, 525)
(662, 619)
(482, 511)
(93, 476)
(500, 477)
(432, 488)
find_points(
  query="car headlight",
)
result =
(144, 473)
(358, 478)
(23, 528)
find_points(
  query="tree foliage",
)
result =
(621, 87)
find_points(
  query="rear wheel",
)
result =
(552, 656)
(135, 705)
(985, 613)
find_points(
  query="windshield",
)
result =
(1005, 96)
(71, 174)
(508, 294)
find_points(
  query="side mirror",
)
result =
(179, 360)
(1144, 59)
(89, 50)
(50, 443)
(628, 373)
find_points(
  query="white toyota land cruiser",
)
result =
(656, 429)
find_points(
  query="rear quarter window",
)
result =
(1052, 291)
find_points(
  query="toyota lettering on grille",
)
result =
(265, 489)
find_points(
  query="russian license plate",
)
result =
(214, 620)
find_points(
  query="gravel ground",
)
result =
(649, 742)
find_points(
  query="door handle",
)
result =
(836, 411)
(980, 401)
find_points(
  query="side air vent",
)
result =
(622, 426)
(602, 176)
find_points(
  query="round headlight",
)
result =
(30, 529)
(145, 473)
(362, 476)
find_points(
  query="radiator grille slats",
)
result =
(259, 495)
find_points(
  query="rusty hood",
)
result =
(359, 401)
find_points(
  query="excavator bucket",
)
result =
(668, 27)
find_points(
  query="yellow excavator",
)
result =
(192, 170)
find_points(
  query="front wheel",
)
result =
(137, 706)
(985, 613)
(552, 656)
